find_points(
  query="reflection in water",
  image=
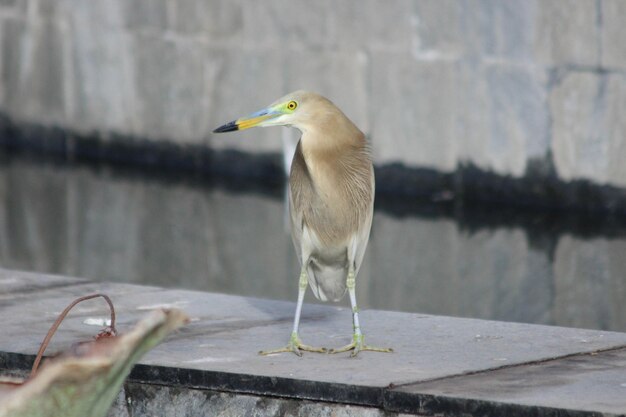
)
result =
(105, 224)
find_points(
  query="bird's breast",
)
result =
(335, 199)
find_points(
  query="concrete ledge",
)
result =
(576, 385)
(442, 365)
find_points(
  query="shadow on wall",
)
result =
(539, 187)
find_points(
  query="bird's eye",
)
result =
(292, 105)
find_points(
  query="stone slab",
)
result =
(593, 384)
(218, 349)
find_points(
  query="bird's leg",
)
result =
(295, 345)
(357, 344)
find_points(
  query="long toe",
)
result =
(295, 346)
(357, 346)
(371, 349)
(345, 348)
(313, 348)
(285, 349)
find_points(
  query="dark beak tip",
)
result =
(228, 127)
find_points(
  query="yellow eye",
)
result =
(292, 105)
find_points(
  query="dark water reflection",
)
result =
(106, 224)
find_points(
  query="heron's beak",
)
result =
(260, 118)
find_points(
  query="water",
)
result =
(487, 262)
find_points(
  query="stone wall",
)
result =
(145, 400)
(508, 87)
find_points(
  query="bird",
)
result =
(331, 202)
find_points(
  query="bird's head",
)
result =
(295, 109)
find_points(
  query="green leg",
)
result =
(295, 345)
(357, 344)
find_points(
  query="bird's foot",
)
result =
(358, 345)
(295, 345)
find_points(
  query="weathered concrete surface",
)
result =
(217, 350)
(433, 84)
(538, 389)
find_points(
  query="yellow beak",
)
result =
(255, 119)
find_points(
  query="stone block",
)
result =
(56, 10)
(474, 30)
(532, 299)
(502, 255)
(34, 57)
(438, 113)
(103, 82)
(14, 8)
(11, 33)
(218, 250)
(239, 84)
(518, 120)
(615, 126)
(580, 147)
(446, 269)
(285, 24)
(502, 28)
(48, 72)
(149, 15)
(106, 219)
(365, 26)
(102, 72)
(472, 130)
(589, 282)
(97, 16)
(567, 35)
(438, 30)
(172, 95)
(217, 21)
(588, 127)
(35, 210)
(502, 116)
(423, 257)
(613, 34)
(413, 111)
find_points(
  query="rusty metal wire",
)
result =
(107, 332)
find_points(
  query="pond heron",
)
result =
(331, 201)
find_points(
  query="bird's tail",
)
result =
(327, 282)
